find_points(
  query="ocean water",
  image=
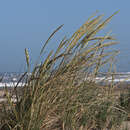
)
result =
(11, 79)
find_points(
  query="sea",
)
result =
(10, 79)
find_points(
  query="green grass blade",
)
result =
(50, 38)
(27, 59)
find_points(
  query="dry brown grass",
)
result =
(56, 96)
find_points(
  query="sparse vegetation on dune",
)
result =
(56, 96)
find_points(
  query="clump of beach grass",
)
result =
(61, 93)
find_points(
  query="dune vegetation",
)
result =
(61, 92)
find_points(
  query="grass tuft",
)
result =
(61, 93)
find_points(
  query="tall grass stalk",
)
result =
(61, 93)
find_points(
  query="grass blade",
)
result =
(50, 38)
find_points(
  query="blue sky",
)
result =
(28, 23)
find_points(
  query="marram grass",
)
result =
(56, 96)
